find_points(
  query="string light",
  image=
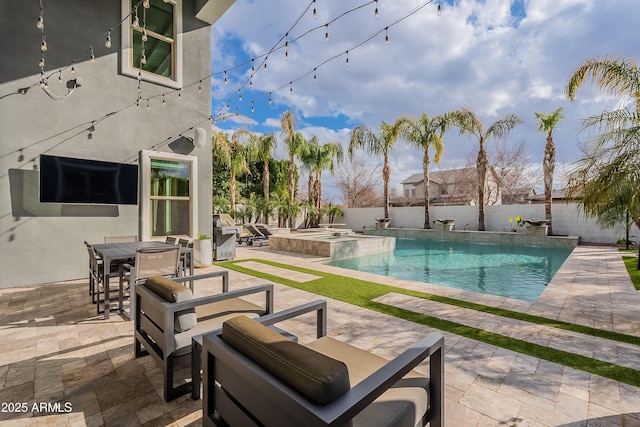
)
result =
(146, 4)
(290, 87)
(73, 66)
(60, 78)
(136, 21)
(286, 47)
(107, 43)
(40, 22)
(252, 107)
(240, 95)
(200, 86)
(326, 34)
(41, 63)
(386, 35)
(225, 76)
(315, 76)
(439, 8)
(180, 93)
(163, 100)
(43, 46)
(315, 14)
(346, 62)
(376, 11)
(92, 58)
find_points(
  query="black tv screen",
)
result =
(69, 180)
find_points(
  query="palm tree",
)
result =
(234, 155)
(546, 124)
(381, 144)
(294, 142)
(425, 133)
(608, 173)
(470, 124)
(266, 144)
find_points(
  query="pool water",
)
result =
(519, 272)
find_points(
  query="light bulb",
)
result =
(60, 78)
(41, 62)
(347, 60)
(376, 12)
(251, 82)
(265, 65)
(143, 59)
(179, 93)
(148, 105)
(107, 43)
(286, 55)
(439, 9)
(240, 97)
(326, 34)
(270, 100)
(92, 58)
(253, 70)
(225, 77)
(200, 86)
(386, 36)
(43, 46)
(163, 100)
(144, 34)
(40, 23)
(139, 75)
(146, 4)
(315, 76)
(252, 107)
(290, 87)
(136, 21)
(73, 67)
(315, 14)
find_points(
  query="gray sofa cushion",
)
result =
(171, 291)
(320, 378)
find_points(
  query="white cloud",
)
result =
(472, 55)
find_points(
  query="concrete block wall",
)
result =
(568, 219)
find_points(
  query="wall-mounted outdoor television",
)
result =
(69, 180)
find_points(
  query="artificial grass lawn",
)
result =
(631, 263)
(362, 293)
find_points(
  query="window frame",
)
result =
(128, 68)
(146, 209)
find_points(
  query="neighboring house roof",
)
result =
(442, 176)
(555, 195)
(416, 178)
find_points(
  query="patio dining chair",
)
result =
(96, 274)
(185, 258)
(120, 239)
(149, 262)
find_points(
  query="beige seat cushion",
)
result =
(320, 378)
(211, 317)
(171, 291)
(402, 405)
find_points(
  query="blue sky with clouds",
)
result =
(494, 56)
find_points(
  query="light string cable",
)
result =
(277, 46)
(345, 52)
(88, 52)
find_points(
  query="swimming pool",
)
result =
(519, 272)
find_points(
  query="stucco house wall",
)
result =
(43, 243)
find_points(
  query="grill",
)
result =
(224, 237)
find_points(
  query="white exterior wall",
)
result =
(567, 219)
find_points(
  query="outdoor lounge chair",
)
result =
(254, 376)
(168, 316)
(255, 235)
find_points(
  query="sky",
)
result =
(494, 56)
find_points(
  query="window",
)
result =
(168, 202)
(157, 59)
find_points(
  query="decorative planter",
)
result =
(537, 230)
(445, 224)
(202, 252)
(382, 223)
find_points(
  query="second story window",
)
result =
(151, 40)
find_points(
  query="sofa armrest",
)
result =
(319, 306)
(365, 392)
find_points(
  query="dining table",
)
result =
(125, 252)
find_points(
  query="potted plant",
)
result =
(202, 251)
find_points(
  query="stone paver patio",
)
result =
(55, 350)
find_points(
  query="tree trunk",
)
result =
(265, 190)
(481, 164)
(548, 166)
(386, 176)
(232, 194)
(425, 172)
(292, 180)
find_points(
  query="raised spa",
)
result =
(332, 245)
